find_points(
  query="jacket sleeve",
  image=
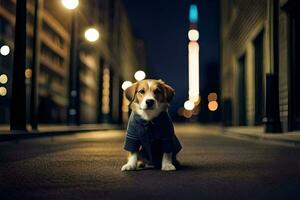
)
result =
(132, 142)
(170, 142)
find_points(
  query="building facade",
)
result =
(102, 65)
(247, 57)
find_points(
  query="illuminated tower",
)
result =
(193, 53)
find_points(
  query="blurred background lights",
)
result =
(139, 75)
(70, 4)
(105, 91)
(28, 73)
(193, 35)
(188, 113)
(4, 50)
(213, 106)
(193, 72)
(189, 105)
(193, 14)
(3, 78)
(126, 84)
(197, 101)
(3, 91)
(91, 35)
(212, 96)
(196, 110)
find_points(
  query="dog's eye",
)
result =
(157, 91)
(142, 91)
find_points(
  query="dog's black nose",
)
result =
(149, 103)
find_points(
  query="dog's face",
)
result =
(149, 97)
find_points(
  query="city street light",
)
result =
(213, 106)
(126, 84)
(4, 50)
(70, 4)
(3, 91)
(140, 75)
(91, 34)
(189, 105)
(193, 35)
(74, 93)
(3, 78)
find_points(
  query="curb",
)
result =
(9, 136)
(262, 139)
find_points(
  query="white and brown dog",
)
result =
(150, 137)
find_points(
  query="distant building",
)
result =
(247, 58)
(103, 66)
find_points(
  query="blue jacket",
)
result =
(151, 138)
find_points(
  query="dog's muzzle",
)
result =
(150, 103)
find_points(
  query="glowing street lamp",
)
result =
(3, 78)
(70, 4)
(74, 89)
(126, 84)
(140, 75)
(3, 91)
(4, 50)
(193, 14)
(213, 106)
(193, 70)
(212, 96)
(91, 34)
(193, 35)
(189, 105)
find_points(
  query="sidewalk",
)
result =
(257, 133)
(53, 130)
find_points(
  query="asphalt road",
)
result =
(87, 166)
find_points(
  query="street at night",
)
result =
(87, 166)
(91, 90)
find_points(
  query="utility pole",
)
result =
(74, 90)
(18, 98)
(35, 64)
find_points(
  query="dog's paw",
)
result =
(168, 167)
(140, 165)
(128, 167)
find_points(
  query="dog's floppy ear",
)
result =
(131, 91)
(169, 92)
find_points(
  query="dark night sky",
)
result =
(163, 25)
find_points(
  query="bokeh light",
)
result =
(91, 35)
(188, 113)
(189, 105)
(196, 110)
(212, 96)
(193, 35)
(213, 106)
(197, 100)
(3, 79)
(28, 73)
(3, 91)
(140, 75)
(70, 4)
(193, 14)
(194, 78)
(4, 50)
(126, 84)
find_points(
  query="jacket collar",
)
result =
(141, 121)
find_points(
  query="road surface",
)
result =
(87, 166)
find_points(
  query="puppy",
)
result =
(150, 137)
